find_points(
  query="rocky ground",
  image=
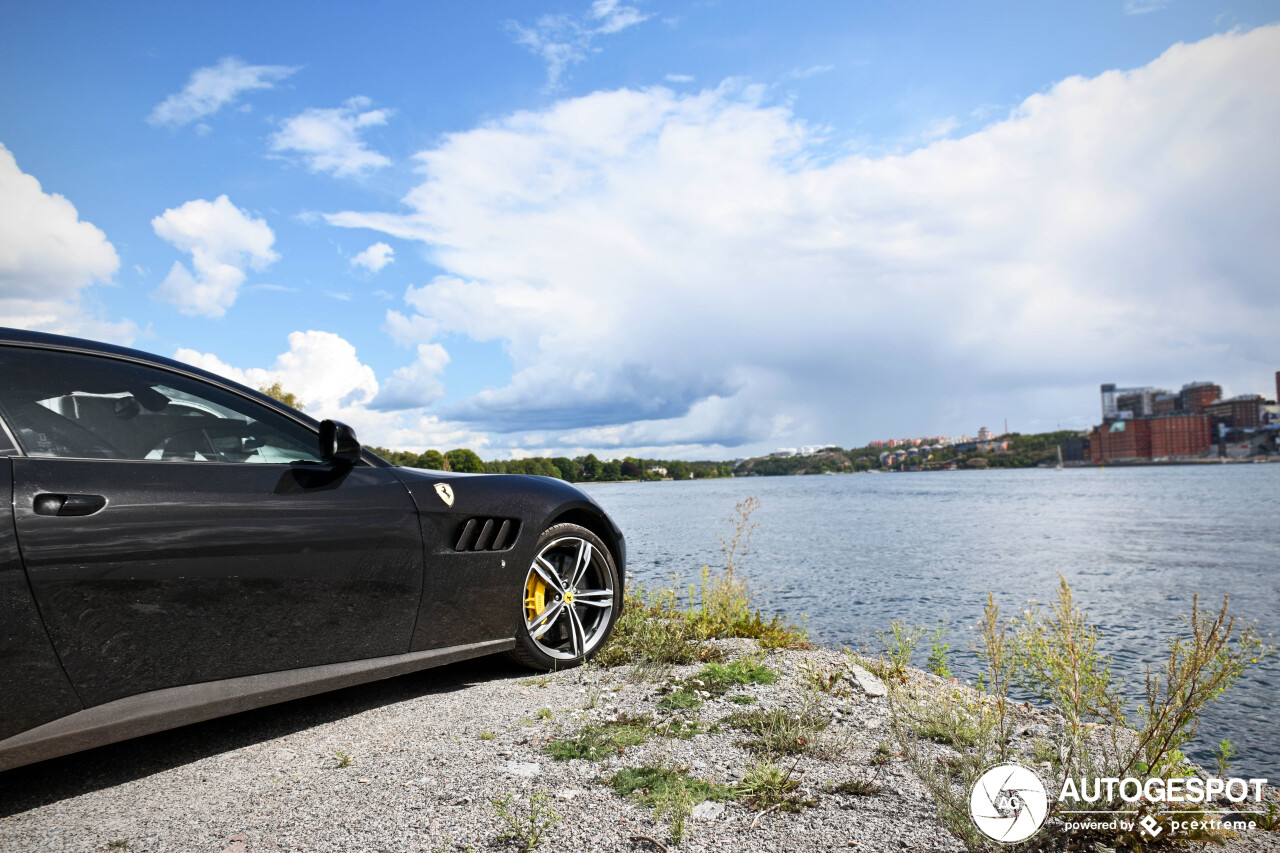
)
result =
(416, 763)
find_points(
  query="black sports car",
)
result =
(174, 547)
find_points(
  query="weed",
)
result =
(939, 651)
(344, 759)
(544, 714)
(535, 681)
(681, 699)
(118, 844)
(856, 787)
(765, 785)
(743, 700)
(715, 680)
(1226, 752)
(882, 755)
(527, 826)
(650, 783)
(833, 681)
(487, 735)
(655, 630)
(899, 645)
(779, 731)
(595, 742)
(1054, 654)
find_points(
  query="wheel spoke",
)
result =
(576, 633)
(542, 623)
(594, 597)
(584, 560)
(548, 573)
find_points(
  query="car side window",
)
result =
(81, 406)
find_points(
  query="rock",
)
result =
(567, 794)
(869, 684)
(528, 771)
(708, 811)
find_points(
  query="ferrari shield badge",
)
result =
(445, 491)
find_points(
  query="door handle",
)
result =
(68, 505)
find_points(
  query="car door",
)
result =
(174, 531)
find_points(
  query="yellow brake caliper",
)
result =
(535, 597)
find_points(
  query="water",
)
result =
(853, 552)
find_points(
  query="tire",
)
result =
(570, 598)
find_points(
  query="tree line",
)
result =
(580, 469)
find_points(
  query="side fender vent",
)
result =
(487, 534)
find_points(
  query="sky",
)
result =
(696, 230)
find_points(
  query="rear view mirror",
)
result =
(338, 443)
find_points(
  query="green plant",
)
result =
(344, 759)
(899, 645)
(447, 845)
(779, 731)
(882, 755)
(856, 787)
(1055, 654)
(765, 785)
(527, 825)
(594, 742)
(122, 843)
(544, 714)
(743, 700)
(832, 681)
(535, 681)
(939, 651)
(487, 735)
(1226, 752)
(645, 784)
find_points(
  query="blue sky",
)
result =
(702, 229)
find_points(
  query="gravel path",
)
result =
(427, 754)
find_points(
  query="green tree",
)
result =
(590, 467)
(434, 460)
(611, 470)
(631, 467)
(568, 468)
(464, 461)
(678, 470)
(276, 391)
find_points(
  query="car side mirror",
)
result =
(338, 443)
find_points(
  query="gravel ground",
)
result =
(430, 752)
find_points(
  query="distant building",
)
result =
(1242, 412)
(1196, 396)
(1181, 435)
(1139, 402)
(984, 434)
(1166, 404)
(1121, 439)
(659, 470)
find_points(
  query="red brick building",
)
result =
(1198, 395)
(1121, 440)
(1181, 435)
(1243, 412)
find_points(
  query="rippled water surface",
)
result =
(854, 552)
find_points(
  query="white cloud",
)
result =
(222, 240)
(324, 370)
(679, 78)
(1142, 7)
(329, 139)
(731, 277)
(48, 258)
(565, 40)
(214, 87)
(811, 71)
(321, 368)
(375, 257)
